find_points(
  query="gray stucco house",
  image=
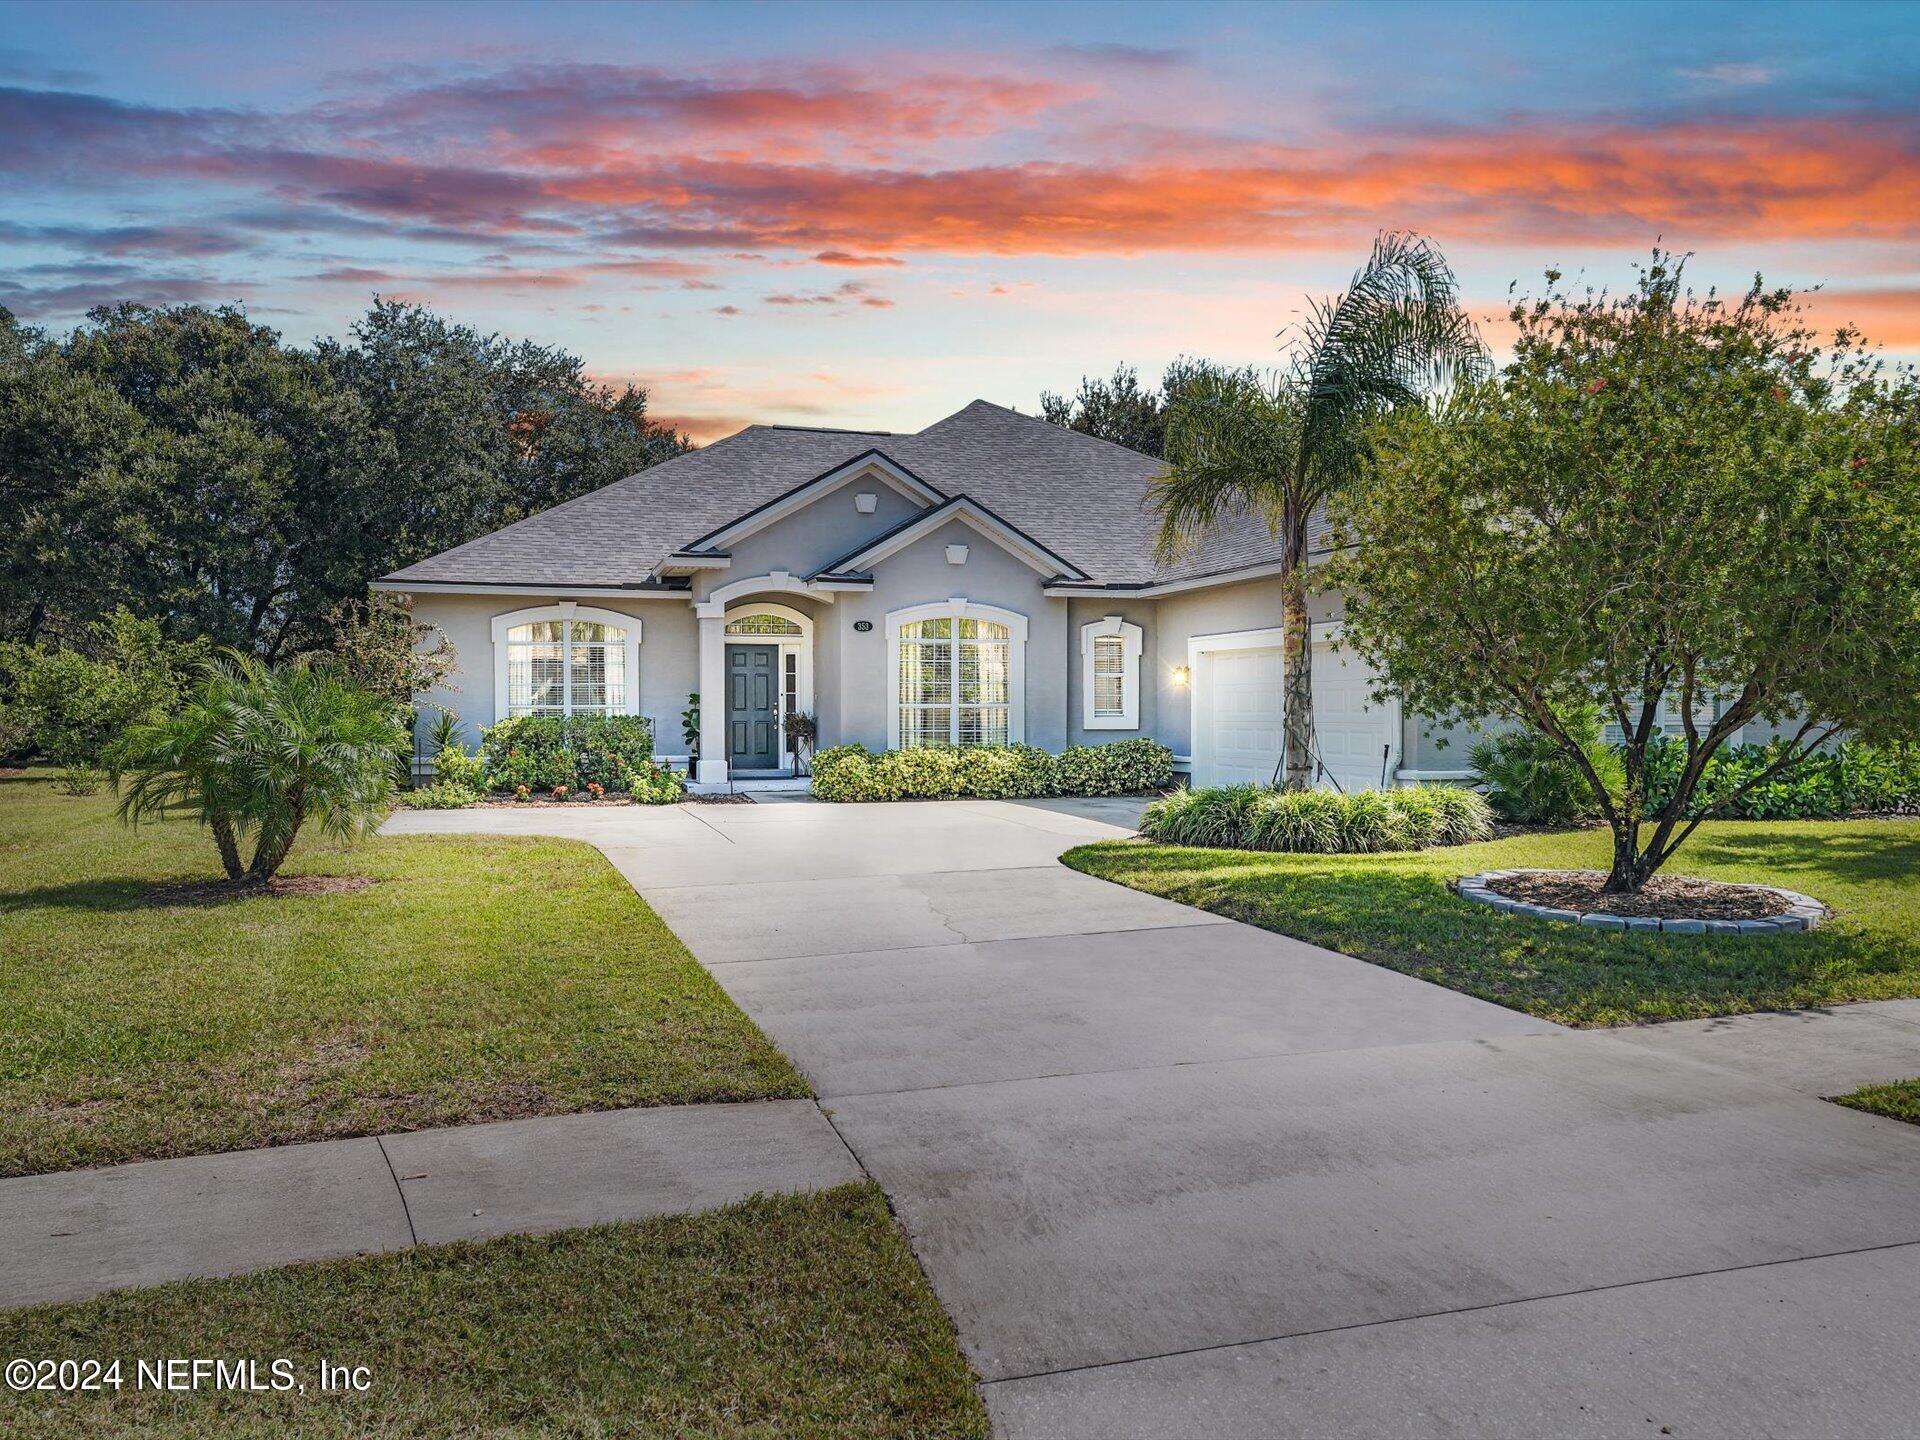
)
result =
(990, 578)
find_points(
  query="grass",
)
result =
(1395, 910)
(782, 1316)
(1900, 1100)
(478, 979)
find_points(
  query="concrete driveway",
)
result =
(1174, 1176)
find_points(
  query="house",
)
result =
(991, 578)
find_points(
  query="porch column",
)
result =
(713, 694)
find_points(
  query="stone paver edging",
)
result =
(1800, 912)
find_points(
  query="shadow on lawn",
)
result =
(1850, 858)
(1411, 922)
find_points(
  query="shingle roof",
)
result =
(1080, 497)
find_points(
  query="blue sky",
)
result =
(870, 214)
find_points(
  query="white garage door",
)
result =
(1240, 713)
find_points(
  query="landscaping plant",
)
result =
(1683, 510)
(543, 752)
(259, 753)
(1241, 445)
(1319, 822)
(1530, 780)
(989, 772)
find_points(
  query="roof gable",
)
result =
(1023, 547)
(872, 463)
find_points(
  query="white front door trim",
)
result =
(799, 646)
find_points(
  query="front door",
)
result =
(753, 707)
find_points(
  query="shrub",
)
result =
(1530, 780)
(993, 772)
(262, 752)
(1307, 821)
(543, 752)
(1122, 768)
(842, 772)
(656, 785)
(1826, 785)
(446, 795)
(1005, 772)
(454, 766)
(1318, 822)
(1461, 816)
(72, 705)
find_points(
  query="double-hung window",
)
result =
(1110, 676)
(957, 679)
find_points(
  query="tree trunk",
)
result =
(223, 837)
(271, 852)
(1297, 652)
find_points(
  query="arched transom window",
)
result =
(957, 677)
(763, 625)
(565, 660)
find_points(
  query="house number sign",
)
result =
(863, 626)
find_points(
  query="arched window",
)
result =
(763, 624)
(564, 660)
(958, 675)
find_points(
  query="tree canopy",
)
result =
(190, 465)
(1684, 510)
(1119, 409)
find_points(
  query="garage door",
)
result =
(1240, 713)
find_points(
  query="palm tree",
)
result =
(263, 752)
(1240, 444)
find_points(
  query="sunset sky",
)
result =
(868, 215)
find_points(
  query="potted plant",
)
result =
(802, 731)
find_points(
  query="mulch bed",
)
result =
(280, 887)
(547, 803)
(721, 800)
(1670, 897)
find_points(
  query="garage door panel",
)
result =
(1243, 710)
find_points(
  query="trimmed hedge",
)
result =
(1319, 822)
(542, 752)
(989, 772)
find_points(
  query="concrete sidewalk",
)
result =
(77, 1233)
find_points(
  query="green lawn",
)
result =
(479, 979)
(781, 1316)
(1396, 911)
(1901, 1100)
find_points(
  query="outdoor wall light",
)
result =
(1181, 675)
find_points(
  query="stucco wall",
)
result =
(669, 662)
(1139, 612)
(813, 536)
(1249, 605)
(920, 575)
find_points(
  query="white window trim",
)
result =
(566, 610)
(955, 609)
(799, 646)
(1134, 639)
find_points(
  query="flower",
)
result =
(596, 789)
(520, 792)
(559, 792)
